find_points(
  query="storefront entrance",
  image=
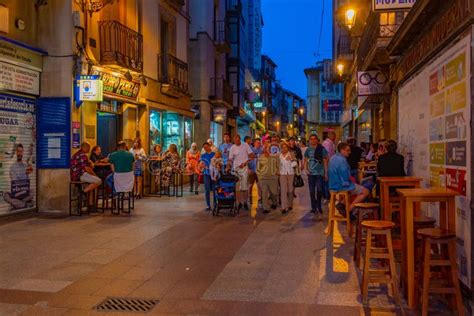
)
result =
(107, 131)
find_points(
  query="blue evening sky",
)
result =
(290, 38)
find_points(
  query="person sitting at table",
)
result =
(139, 154)
(391, 164)
(340, 177)
(122, 166)
(81, 171)
(101, 163)
(372, 152)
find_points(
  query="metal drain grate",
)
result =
(126, 304)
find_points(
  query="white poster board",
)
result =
(434, 116)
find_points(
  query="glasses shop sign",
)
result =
(372, 83)
(391, 5)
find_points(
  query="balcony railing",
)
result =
(173, 71)
(221, 36)
(120, 46)
(221, 90)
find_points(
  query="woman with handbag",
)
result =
(288, 164)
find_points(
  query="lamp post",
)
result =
(350, 18)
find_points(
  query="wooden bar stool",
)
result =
(333, 217)
(446, 259)
(379, 229)
(77, 194)
(366, 211)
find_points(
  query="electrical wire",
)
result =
(320, 29)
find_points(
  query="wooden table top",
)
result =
(399, 179)
(102, 164)
(431, 192)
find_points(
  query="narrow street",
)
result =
(170, 249)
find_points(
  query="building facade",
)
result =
(324, 101)
(409, 78)
(212, 95)
(145, 89)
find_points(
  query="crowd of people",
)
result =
(275, 166)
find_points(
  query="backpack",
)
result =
(318, 153)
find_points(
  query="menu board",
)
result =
(19, 79)
(434, 117)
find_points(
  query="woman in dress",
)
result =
(140, 157)
(192, 158)
(288, 163)
(155, 160)
(170, 164)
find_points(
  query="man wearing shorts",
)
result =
(240, 155)
(81, 170)
(339, 176)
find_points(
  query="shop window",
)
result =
(173, 131)
(188, 132)
(155, 128)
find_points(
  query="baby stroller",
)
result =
(224, 194)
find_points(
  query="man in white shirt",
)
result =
(240, 155)
(330, 145)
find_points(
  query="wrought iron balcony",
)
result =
(221, 91)
(378, 31)
(120, 46)
(221, 36)
(173, 71)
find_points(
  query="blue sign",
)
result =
(54, 133)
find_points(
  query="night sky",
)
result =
(290, 38)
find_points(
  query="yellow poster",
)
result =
(437, 177)
(437, 104)
(456, 70)
(456, 97)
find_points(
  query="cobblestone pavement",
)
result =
(170, 249)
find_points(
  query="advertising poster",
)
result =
(17, 154)
(434, 123)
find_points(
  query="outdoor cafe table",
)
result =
(386, 183)
(447, 220)
(366, 167)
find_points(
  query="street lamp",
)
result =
(301, 111)
(350, 18)
(340, 69)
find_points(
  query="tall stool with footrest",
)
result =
(365, 211)
(384, 251)
(333, 217)
(444, 259)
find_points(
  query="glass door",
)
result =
(188, 132)
(155, 129)
(173, 131)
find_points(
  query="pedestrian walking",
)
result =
(253, 178)
(140, 156)
(224, 148)
(330, 145)
(288, 164)
(317, 168)
(192, 158)
(205, 163)
(268, 170)
(239, 156)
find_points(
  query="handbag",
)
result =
(298, 181)
(201, 179)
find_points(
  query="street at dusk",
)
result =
(236, 157)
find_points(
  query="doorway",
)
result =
(107, 132)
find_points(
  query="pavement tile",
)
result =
(23, 297)
(139, 274)
(12, 309)
(119, 287)
(41, 285)
(87, 286)
(68, 271)
(46, 311)
(110, 271)
(100, 256)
